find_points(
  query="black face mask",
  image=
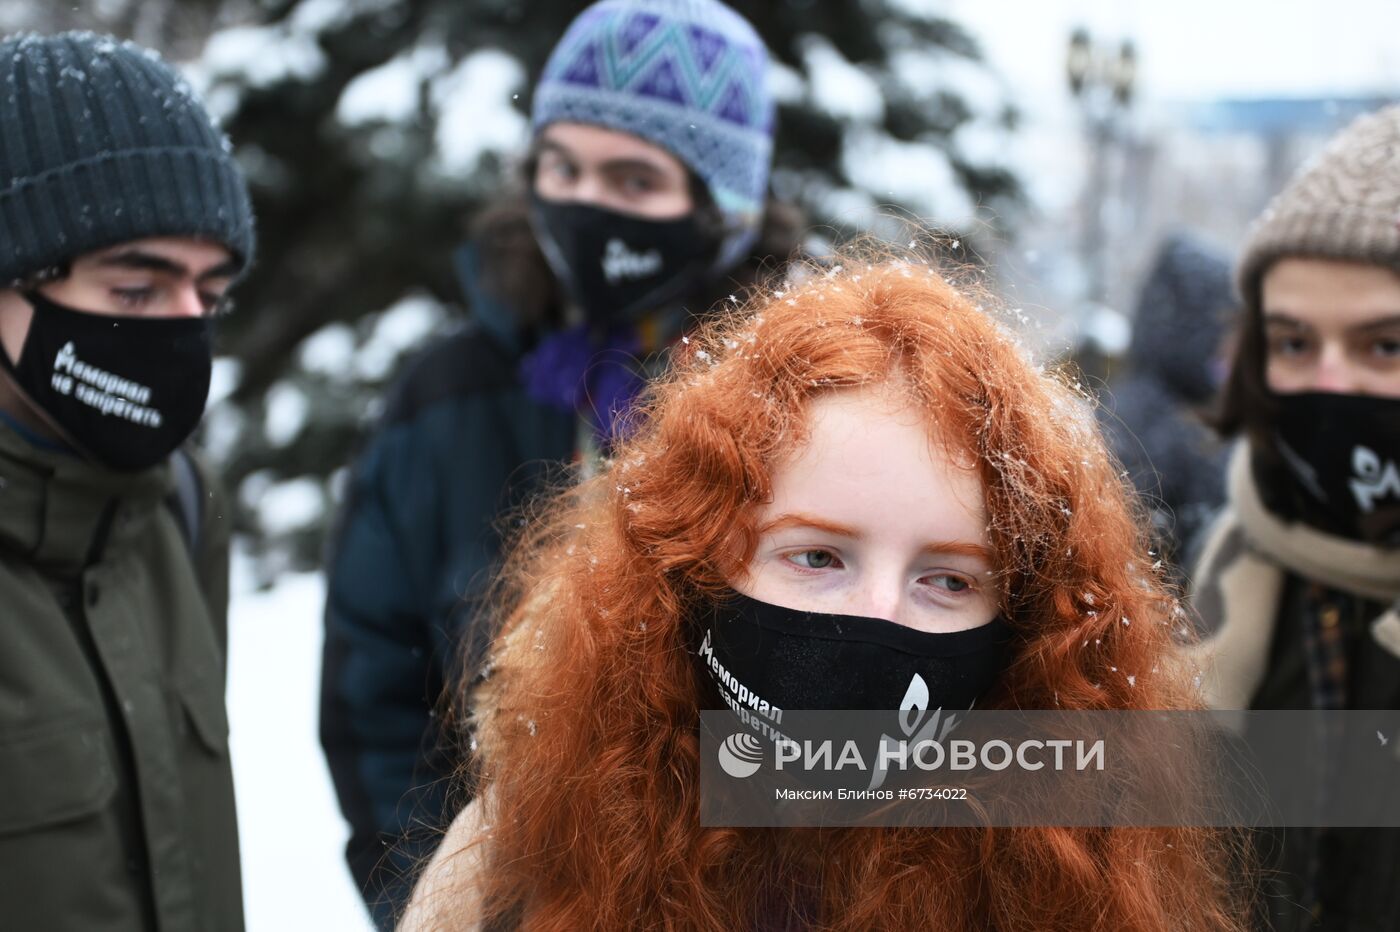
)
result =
(124, 390)
(1340, 470)
(764, 657)
(617, 266)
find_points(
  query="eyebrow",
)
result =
(1385, 323)
(960, 548)
(630, 165)
(622, 164)
(1281, 320)
(782, 522)
(549, 145)
(150, 262)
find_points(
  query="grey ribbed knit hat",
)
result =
(101, 142)
(1345, 204)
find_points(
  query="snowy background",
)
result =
(370, 129)
(294, 875)
(1191, 51)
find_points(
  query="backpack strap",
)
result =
(187, 500)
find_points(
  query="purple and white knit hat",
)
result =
(686, 75)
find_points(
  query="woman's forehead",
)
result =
(870, 457)
(888, 411)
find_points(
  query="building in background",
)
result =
(1206, 166)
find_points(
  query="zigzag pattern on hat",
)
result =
(735, 161)
(689, 76)
(684, 64)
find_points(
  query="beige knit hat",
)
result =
(1344, 204)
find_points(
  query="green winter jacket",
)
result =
(116, 796)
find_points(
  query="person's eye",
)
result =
(638, 184)
(954, 583)
(562, 169)
(134, 298)
(814, 559)
(1386, 347)
(1288, 345)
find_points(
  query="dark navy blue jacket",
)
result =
(459, 444)
(1150, 415)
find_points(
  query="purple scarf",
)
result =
(595, 376)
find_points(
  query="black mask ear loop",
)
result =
(28, 291)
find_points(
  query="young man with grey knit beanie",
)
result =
(1300, 577)
(123, 222)
(645, 204)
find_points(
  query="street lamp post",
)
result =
(1102, 80)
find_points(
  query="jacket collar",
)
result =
(489, 311)
(57, 509)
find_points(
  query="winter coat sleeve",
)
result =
(379, 682)
(420, 533)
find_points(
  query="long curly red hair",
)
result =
(588, 732)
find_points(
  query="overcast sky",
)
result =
(1193, 49)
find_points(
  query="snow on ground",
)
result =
(294, 875)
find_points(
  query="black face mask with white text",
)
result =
(1340, 469)
(754, 654)
(125, 391)
(618, 266)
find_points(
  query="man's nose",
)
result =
(1334, 372)
(186, 302)
(590, 189)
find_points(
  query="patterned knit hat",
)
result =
(1345, 205)
(686, 75)
(101, 142)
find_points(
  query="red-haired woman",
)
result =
(868, 443)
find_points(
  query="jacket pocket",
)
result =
(204, 710)
(60, 774)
